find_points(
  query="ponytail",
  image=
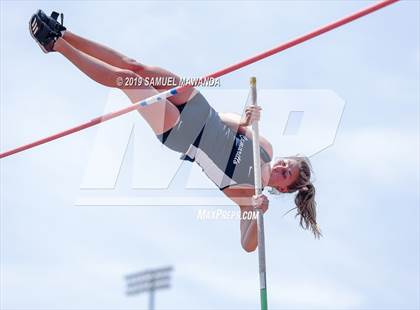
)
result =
(305, 197)
(306, 207)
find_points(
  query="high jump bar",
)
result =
(229, 69)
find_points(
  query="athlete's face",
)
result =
(284, 173)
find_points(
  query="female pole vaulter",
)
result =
(220, 143)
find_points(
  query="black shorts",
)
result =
(193, 117)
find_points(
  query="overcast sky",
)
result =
(65, 246)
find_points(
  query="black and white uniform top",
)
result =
(225, 156)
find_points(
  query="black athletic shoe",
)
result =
(52, 22)
(42, 34)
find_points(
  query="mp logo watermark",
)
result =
(129, 166)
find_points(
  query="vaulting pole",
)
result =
(258, 191)
(176, 90)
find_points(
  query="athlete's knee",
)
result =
(122, 79)
(158, 70)
(132, 64)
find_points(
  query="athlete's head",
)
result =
(291, 174)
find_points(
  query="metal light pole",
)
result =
(150, 281)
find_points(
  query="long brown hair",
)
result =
(305, 197)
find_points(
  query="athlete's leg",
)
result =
(161, 116)
(117, 59)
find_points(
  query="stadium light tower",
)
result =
(149, 280)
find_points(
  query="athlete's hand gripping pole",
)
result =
(258, 191)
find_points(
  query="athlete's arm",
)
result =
(238, 124)
(243, 197)
(249, 229)
(249, 240)
(233, 121)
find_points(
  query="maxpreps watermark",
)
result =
(167, 81)
(222, 214)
